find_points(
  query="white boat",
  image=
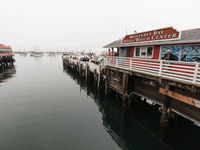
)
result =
(23, 53)
(36, 54)
(94, 65)
(51, 54)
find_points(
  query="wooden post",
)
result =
(77, 68)
(106, 82)
(125, 89)
(164, 116)
(124, 101)
(95, 77)
(86, 72)
(125, 83)
(81, 68)
(99, 77)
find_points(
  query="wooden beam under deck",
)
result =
(180, 97)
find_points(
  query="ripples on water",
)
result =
(45, 107)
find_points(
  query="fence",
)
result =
(188, 72)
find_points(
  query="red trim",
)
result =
(6, 54)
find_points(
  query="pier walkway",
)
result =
(174, 85)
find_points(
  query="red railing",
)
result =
(188, 72)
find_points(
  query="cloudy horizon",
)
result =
(89, 24)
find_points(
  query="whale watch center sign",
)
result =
(155, 35)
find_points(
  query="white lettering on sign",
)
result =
(162, 34)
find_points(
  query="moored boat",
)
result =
(23, 53)
(36, 54)
(51, 54)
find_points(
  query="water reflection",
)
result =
(138, 127)
(7, 74)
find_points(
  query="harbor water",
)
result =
(45, 107)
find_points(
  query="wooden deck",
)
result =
(173, 85)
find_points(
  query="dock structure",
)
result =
(174, 85)
(172, 93)
(87, 70)
(163, 83)
(6, 57)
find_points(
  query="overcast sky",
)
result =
(88, 24)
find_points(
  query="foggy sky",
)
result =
(88, 24)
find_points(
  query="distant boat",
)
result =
(51, 54)
(36, 54)
(32, 54)
(23, 53)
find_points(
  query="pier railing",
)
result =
(187, 72)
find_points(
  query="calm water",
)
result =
(44, 107)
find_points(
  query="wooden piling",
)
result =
(106, 82)
(95, 76)
(124, 101)
(86, 73)
(99, 77)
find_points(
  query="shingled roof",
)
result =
(187, 36)
(2, 46)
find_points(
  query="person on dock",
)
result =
(170, 56)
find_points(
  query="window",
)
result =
(137, 52)
(144, 52)
(149, 51)
(128, 54)
(125, 52)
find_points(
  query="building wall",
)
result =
(132, 52)
(156, 52)
(190, 50)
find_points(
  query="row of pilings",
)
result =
(6, 62)
(145, 115)
(98, 77)
(82, 69)
(100, 81)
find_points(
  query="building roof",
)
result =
(4, 47)
(191, 36)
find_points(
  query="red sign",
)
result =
(155, 35)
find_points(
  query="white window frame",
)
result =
(146, 51)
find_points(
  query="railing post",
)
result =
(160, 69)
(100, 66)
(130, 63)
(109, 61)
(116, 61)
(105, 61)
(195, 72)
